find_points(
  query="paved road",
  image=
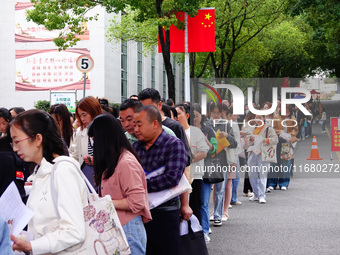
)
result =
(303, 220)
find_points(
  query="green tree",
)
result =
(324, 17)
(287, 44)
(238, 23)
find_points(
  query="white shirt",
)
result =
(72, 198)
(197, 144)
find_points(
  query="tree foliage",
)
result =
(324, 18)
(254, 38)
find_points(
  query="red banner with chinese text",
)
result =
(49, 69)
(335, 134)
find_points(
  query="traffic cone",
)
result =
(314, 153)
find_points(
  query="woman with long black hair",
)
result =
(118, 173)
(62, 116)
(36, 138)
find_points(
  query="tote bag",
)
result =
(104, 234)
(192, 243)
(213, 171)
(268, 152)
(287, 152)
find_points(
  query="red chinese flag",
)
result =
(19, 175)
(177, 36)
(201, 33)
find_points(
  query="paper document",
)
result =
(256, 147)
(195, 226)
(154, 173)
(160, 197)
(13, 210)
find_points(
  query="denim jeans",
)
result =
(205, 195)
(136, 235)
(5, 242)
(307, 129)
(303, 131)
(281, 178)
(258, 174)
(219, 200)
(235, 183)
(310, 126)
(323, 124)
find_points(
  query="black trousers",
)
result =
(246, 185)
(163, 233)
(195, 198)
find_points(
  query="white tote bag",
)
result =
(104, 234)
(268, 152)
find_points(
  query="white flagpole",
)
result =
(186, 63)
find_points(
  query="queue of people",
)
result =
(117, 153)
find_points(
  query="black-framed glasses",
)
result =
(15, 143)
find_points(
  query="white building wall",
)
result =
(112, 65)
(7, 55)
(146, 71)
(105, 76)
(158, 72)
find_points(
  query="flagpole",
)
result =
(186, 63)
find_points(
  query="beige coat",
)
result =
(80, 145)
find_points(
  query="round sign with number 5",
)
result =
(85, 63)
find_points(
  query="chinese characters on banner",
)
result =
(48, 69)
(44, 69)
(335, 134)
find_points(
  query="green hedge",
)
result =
(42, 105)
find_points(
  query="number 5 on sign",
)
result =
(85, 63)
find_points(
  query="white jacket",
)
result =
(80, 146)
(72, 198)
(197, 144)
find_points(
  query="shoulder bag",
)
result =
(104, 234)
(193, 243)
(268, 152)
(213, 171)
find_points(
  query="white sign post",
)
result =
(84, 64)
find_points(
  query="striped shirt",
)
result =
(89, 147)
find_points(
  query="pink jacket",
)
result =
(128, 181)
